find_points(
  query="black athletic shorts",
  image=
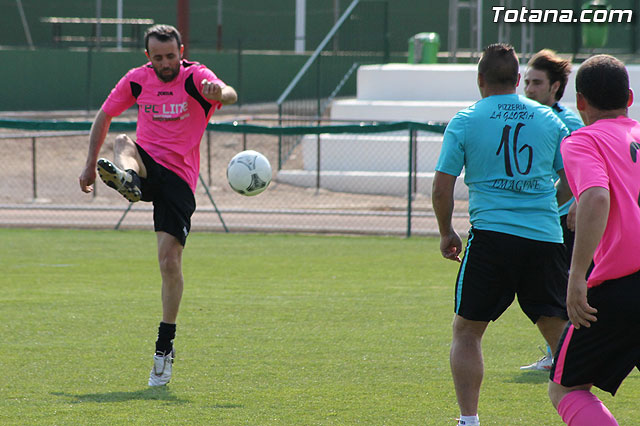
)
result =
(496, 267)
(569, 237)
(606, 352)
(173, 200)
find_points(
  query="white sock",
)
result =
(469, 420)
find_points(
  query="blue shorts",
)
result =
(497, 266)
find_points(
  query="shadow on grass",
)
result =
(530, 377)
(160, 393)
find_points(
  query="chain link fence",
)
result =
(339, 178)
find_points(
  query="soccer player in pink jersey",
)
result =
(175, 99)
(601, 345)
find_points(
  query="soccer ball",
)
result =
(249, 173)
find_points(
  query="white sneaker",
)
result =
(543, 364)
(123, 181)
(161, 371)
(463, 423)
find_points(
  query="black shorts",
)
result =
(496, 267)
(569, 237)
(173, 200)
(606, 352)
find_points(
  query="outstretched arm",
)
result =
(442, 200)
(99, 131)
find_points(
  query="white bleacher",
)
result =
(433, 92)
(400, 92)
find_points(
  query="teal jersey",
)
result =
(568, 117)
(573, 122)
(509, 146)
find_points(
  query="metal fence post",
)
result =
(124, 214)
(318, 87)
(385, 34)
(410, 182)
(209, 156)
(280, 137)
(239, 87)
(414, 137)
(244, 137)
(89, 78)
(34, 180)
(318, 163)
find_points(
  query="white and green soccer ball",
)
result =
(249, 173)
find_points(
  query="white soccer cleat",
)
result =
(463, 423)
(161, 371)
(543, 364)
(121, 180)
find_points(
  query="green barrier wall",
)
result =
(270, 24)
(260, 24)
(56, 79)
(59, 79)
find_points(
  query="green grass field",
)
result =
(273, 330)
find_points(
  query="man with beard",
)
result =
(175, 99)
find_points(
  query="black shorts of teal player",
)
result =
(497, 267)
(568, 236)
(172, 198)
(607, 351)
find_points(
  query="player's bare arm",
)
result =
(213, 91)
(99, 131)
(591, 220)
(563, 191)
(571, 217)
(442, 199)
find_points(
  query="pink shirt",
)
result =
(606, 154)
(171, 116)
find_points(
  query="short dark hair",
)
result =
(557, 69)
(499, 65)
(603, 80)
(162, 33)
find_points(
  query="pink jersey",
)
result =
(607, 154)
(171, 116)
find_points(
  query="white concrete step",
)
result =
(417, 82)
(382, 152)
(385, 110)
(443, 111)
(397, 92)
(373, 183)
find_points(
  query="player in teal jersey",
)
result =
(509, 146)
(544, 81)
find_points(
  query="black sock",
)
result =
(166, 334)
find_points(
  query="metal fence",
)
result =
(360, 36)
(342, 178)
